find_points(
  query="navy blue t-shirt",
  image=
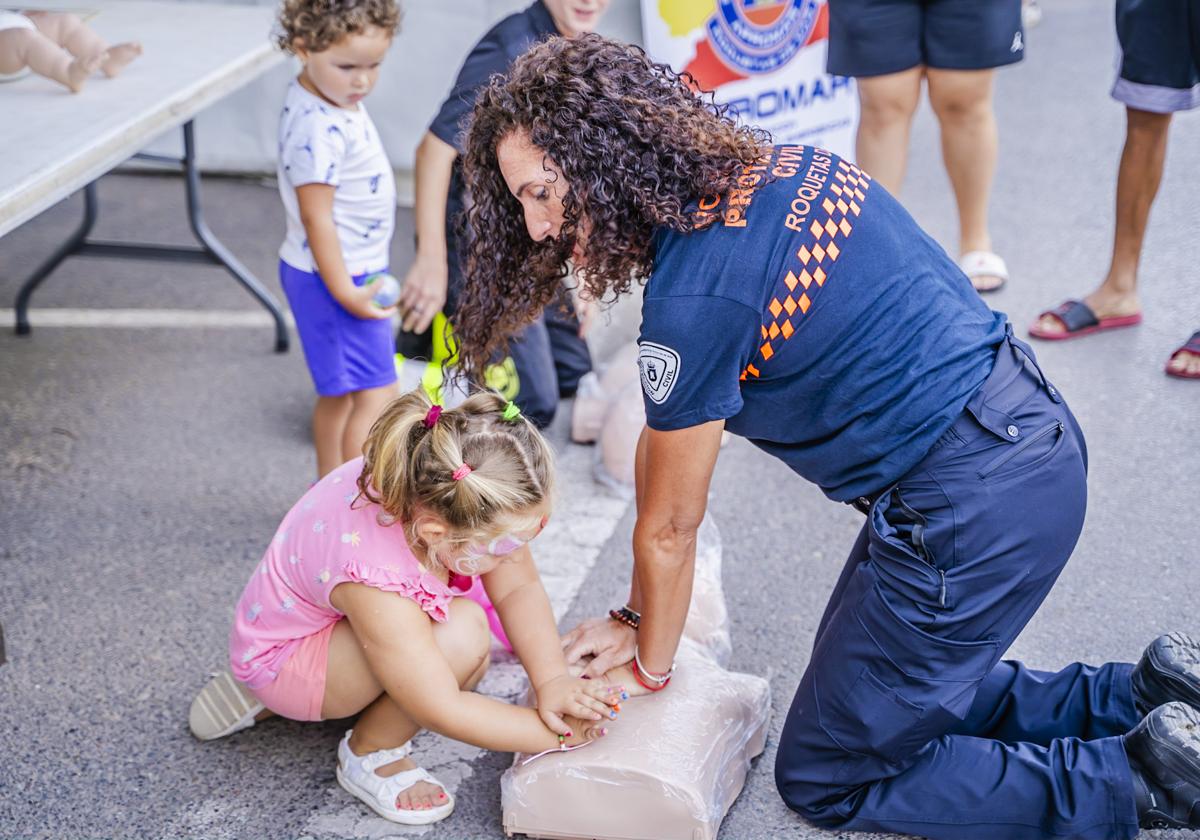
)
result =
(496, 51)
(818, 320)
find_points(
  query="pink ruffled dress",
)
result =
(328, 538)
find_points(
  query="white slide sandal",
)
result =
(984, 264)
(356, 773)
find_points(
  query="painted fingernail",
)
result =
(604, 731)
(568, 733)
(612, 715)
(624, 695)
(617, 707)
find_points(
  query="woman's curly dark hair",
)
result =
(321, 23)
(635, 144)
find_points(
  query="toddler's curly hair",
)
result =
(322, 23)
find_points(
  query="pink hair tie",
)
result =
(431, 417)
(461, 473)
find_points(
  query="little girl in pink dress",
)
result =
(368, 600)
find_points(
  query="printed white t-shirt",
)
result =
(320, 143)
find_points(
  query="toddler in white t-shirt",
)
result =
(340, 198)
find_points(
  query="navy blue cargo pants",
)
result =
(906, 719)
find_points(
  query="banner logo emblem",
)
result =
(760, 36)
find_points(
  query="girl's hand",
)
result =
(357, 301)
(586, 700)
(423, 294)
(583, 731)
(610, 642)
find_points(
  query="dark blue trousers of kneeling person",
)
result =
(906, 719)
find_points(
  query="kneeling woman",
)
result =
(792, 301)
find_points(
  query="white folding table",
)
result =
(53, 143)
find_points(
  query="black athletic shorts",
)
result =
(1160, 55)
(874, 37)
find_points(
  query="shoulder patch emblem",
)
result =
(659, 368)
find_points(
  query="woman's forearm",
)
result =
(663, 571)
(673, 472)
(639, 487)
(431, 188)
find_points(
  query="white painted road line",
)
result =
(148, 318)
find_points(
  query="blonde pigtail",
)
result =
(471, 465)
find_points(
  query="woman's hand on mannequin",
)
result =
(623, 675)
(424, 293)
(610, 643)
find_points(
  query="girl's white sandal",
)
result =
(356, 773)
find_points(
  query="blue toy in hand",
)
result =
(388, 291)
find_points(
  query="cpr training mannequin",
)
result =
(59, 46)
(678, 760)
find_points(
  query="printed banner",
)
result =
(765, 59)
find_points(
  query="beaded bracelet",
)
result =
(626, 615)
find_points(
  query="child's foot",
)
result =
(391, 785)
(422, 796)
(115, 58)
(78, 72)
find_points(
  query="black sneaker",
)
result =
(1169, 670)
(1164, 754)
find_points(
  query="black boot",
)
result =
(1164, 754)
(1169, 670)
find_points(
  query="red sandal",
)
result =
(1192, 345)
(1078, 320)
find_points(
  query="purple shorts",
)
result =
(344, 353)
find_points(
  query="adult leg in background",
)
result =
(887, 104)
(962, 101)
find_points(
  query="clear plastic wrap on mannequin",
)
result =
(674, 763)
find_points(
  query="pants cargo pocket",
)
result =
(911, 688)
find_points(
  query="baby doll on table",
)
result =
(59, 46)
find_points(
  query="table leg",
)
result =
(212, 250)
(73, 245)
(219, 252)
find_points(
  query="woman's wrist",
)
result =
(431, 256)
(626, 615)
(649, 679)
